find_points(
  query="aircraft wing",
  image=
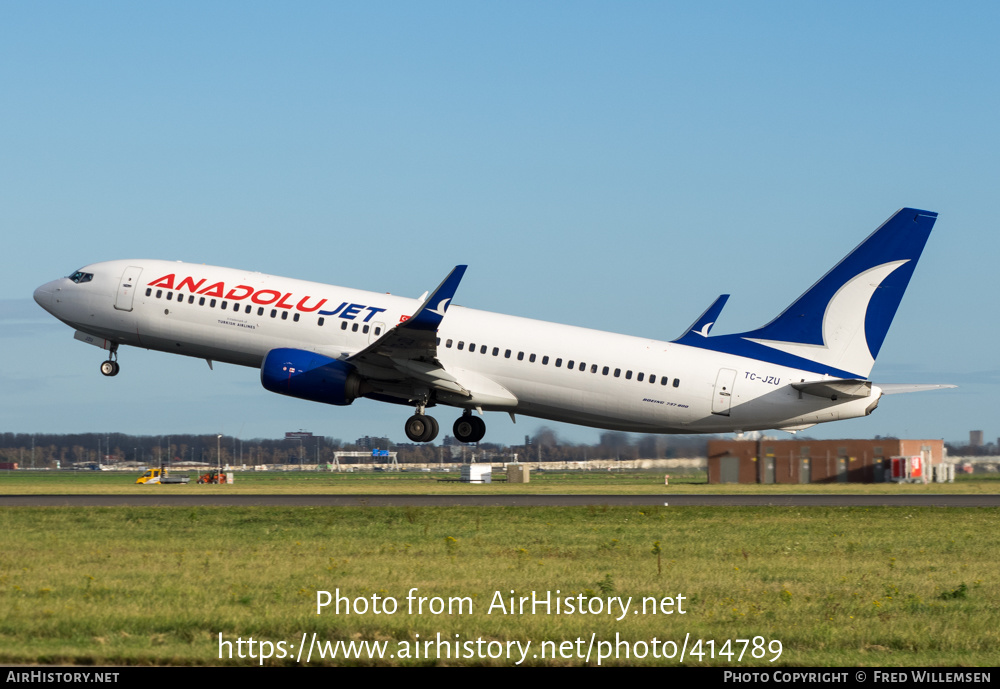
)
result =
(405, 358)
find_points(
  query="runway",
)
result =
(688, 500)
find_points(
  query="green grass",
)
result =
(547, 482)
(836, 586)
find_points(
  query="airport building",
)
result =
(823, 461)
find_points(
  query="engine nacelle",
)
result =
(310, 376)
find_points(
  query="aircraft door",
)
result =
(723, 399)
(126, 288)
(377, 330)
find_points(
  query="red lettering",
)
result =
(403, 318)
(166, 281)
(214, 290)
(232, 293)
(282, 303)
(191, 284)
(301, 306)
(258, 299)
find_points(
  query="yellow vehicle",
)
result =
(160, 476)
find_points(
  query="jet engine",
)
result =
(311, 376)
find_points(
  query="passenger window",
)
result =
(531, 358)
(520, 356)
(284, 315)
(149, 291)
(378, 331)
(201, 302)
(295, 318)
(212, 303)
(593, 368)
(583, 366)
(545, 361)
(260, 311)
(676, 382)
(558, 363)
(224, 305)
(639, 377)
(605, 370)
(170, 295)
(446, 344)
(496, 351)
(570, 364)
(274, 313)
(321, 321)
(618, 373)
(354, 328)
(628, 375)
(343, 325)
(236, 307)
(482, 349)
(191, 299)
(506, 354)
(472, 347)
(664, 380)
(652, 378)
(461, 345)
(366, 329)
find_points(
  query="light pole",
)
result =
(218, 450)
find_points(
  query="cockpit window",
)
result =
(80, 276)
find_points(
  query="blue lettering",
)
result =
(373, 312)
(351, 311)
(334, 312)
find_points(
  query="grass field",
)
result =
(835, 586)
(552, 482)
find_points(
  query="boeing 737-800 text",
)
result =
(334, 344)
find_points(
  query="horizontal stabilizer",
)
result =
(899, 388)
(836, 389)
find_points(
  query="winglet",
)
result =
(703, 324)
(430, 313)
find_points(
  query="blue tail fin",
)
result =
(837, 327)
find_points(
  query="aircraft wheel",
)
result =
(469, 429)
(421, 429)
(480, 429)
(463, 429)
(432, 431)
(110, 368)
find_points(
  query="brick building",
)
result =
(813, 461)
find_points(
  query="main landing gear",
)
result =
(421, 428)
(469, 428)
(110, 367)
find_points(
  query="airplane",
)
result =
(335, 345)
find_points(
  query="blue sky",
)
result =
(613, 166)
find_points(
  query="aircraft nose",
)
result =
(43, 296)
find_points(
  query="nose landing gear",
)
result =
(111, 367)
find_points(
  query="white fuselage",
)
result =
(551, 371)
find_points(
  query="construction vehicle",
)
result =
(160, 476)
(215, 476)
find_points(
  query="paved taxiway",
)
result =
(166, 500)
